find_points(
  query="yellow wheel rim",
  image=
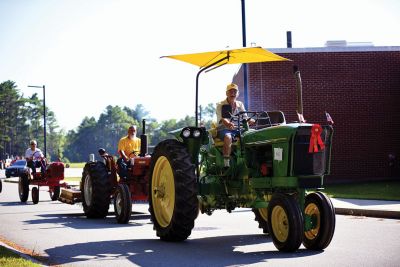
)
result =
(313, 211)
(163, 191)
(280, 223)
(264, 213)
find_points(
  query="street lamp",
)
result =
(44, 115)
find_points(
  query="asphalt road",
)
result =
(62, 235)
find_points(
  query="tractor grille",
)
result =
(306, 163)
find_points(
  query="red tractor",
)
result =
(52, 177)
(100, 185)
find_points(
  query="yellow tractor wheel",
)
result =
(173, 201)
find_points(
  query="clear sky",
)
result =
(94, 53)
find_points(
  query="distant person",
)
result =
(227, 130)
(128, 147)
(35, 158)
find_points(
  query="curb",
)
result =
(387, 214)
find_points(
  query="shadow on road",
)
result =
(79, 220)
(210, 251)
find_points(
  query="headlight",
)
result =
(186, 133)
(196, 133)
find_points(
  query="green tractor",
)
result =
(274, 171)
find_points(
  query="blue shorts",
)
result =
(221, 133)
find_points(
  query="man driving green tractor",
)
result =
(227, 130)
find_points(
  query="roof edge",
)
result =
(336, 49)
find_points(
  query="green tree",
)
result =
(112, 125)
(91, 135)
(12, 121)
(54, 137)
(138, 113)
(80, 143)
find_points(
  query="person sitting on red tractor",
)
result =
(35, 158)
(128, 147)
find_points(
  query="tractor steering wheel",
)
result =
(133, 153)
(243, 119)
(37, 158)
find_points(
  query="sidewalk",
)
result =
(368, 208)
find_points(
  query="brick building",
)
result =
(358, 86)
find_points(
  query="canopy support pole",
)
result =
(197, 85)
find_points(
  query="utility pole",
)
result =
(244, 45)
(44, 115)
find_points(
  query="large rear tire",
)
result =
(54, 192)
(1, 186)
(122, 204)
(96, 190)
(262, 218)
(23, 187)
(319, 207)
(173, 200)
(285, 222)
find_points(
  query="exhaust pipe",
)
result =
(299, 89)
(289, 39)
(143, 140)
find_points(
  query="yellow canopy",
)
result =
(233, 56)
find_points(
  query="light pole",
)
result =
(244, 45)
(44, 115)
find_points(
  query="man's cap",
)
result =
(232, 86)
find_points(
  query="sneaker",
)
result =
(226, 162)
(225, 171)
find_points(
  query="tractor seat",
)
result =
(270, 118)
(213, 133)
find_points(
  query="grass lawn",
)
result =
(385, 190)
(72, 179)
(10, 259)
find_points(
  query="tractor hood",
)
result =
(274, 134)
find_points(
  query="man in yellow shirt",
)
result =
(128, 147)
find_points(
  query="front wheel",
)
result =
(1, 186)
(23, 187)
(173, 201)
(35, 195)
(321, 214)
(122, 204)
(96, 190)
(262, 218)
(54, 192)
(285, 222)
